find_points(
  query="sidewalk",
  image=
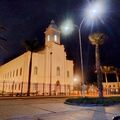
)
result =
(33, 97)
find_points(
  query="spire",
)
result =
(52, 22)
(53, 25)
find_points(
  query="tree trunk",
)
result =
(29, 75)
(98, 70)
(117, 77)
(106, 80)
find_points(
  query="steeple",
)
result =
(52, 34)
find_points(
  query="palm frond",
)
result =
(97, 38)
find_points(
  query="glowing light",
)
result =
(67, 27)
(55, 38)
(48, 37)
(95, 10)
(75, 79)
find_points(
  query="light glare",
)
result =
(95, 10)
(67, 27)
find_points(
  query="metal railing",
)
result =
(14, 88)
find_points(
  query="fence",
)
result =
(20, 89)
(93, 91)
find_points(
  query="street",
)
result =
(53, 109)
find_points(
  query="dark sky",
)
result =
(27, 19)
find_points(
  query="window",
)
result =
(13, 73)
(55, 38)
(10, 74)
(68, 74)
(48, 37)
(19, 86)
(58, 71)
(17, 72)
(113, 85)
(20, 71)
(35, 70)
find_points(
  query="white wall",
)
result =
(10, 72)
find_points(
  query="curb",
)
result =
(89, 105)
(83, 105)
(34, 97)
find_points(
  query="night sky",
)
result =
(28, 19)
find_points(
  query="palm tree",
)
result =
(32, 46)
(97, 39)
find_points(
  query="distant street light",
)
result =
(75, 79)
(93, 11)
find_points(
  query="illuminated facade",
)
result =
(111, 87)
(51, 72)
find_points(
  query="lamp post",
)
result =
(66, 28)
(81, 52)
(50, 84)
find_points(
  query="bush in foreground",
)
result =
(97, 101)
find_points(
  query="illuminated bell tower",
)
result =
(52, 34)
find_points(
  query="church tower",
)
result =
(52, 34)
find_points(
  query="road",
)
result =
(53, 109)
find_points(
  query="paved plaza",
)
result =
(53, 109)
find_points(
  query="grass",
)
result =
(97, 101)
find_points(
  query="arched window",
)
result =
(48, 37)
(10, 74)
(17, 72)
(20, 71)
(35, 70)
(13, 73)
(68, 74)
(58, 71)
(55, 38)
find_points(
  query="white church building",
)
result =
(46, 72)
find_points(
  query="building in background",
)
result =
(111, 86)
(51, 72)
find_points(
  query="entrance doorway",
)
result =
(57, 88)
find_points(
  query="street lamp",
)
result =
(66, 28)
(92, 12)
(50, 84)
(95, 10)
(75, 79)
